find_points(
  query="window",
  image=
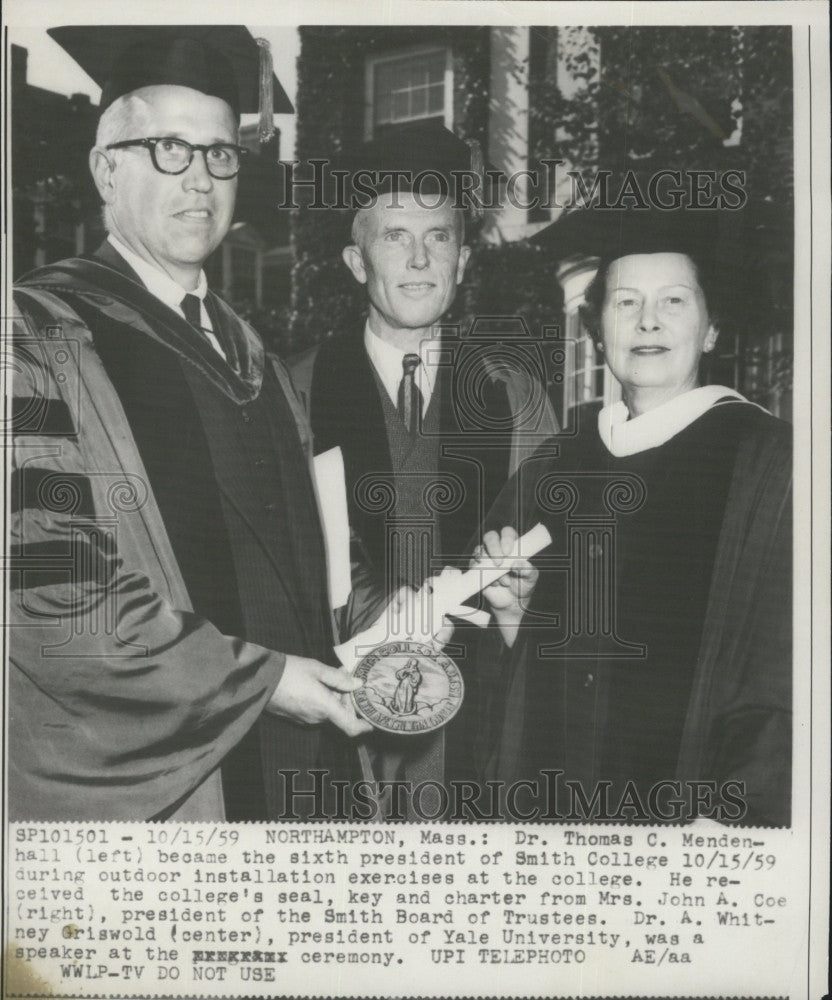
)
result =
(758, 367)
(587, 374)
(412, 86)
(587, 379)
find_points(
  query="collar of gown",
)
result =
(624, 436)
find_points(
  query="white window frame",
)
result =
(582, 361)
(369, 84)
(586, 364)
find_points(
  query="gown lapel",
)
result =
(109, 284)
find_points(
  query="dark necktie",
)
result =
(192, 308)
(410, 399)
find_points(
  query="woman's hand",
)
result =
(509, 595)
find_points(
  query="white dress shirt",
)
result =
(168, 291)
(386, 359)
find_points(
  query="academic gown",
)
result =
(659, 648)
(165, 519)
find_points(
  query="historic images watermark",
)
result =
(321, 184)
(549, 798)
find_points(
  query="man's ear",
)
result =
(101, 168)
(354, 259)
(462, 263)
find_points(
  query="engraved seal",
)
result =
(409, 688)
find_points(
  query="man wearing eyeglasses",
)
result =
(167, 204)
(193, 587)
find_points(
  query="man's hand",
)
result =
(509, 595)
(312, 692)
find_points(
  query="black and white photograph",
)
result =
(416, 500)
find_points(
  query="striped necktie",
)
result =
(410, 398)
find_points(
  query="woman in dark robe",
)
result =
(651, 643)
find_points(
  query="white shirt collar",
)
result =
(168, 291)
(386, 358)
(624, 436)
(156, 281)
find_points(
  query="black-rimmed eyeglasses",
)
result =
(174, 156)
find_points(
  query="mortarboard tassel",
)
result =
(478, 168)
(266, 91)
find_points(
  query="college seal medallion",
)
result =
(409, 688)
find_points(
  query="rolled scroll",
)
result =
(448, 594)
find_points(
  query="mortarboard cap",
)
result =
(611, 233)
(725, 246)
(428, 158)
(222, 61)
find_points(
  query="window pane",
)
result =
(588, 373)
(401, 105)
(436, 98)
(409, 88)
(436, 66)
(419, 104)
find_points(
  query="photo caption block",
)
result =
(310, 910)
